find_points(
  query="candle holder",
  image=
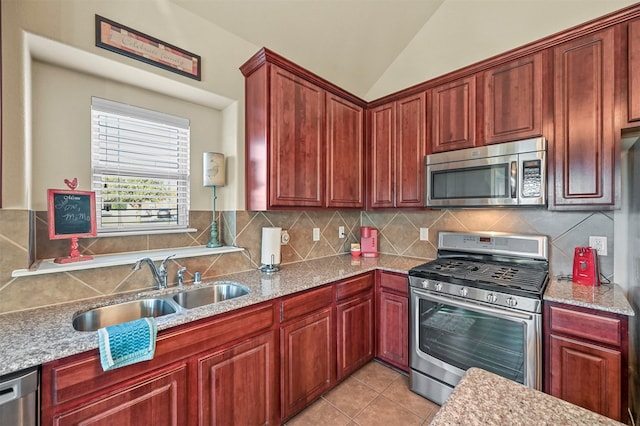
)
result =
(213, 176)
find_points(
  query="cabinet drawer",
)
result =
(394, 282)
(592, 326)
(352, 286)
(305, 303)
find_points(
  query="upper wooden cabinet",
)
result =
(345, 153)
(585, 153)
(296, 135)
(634, 66)
(304, 138)
(397, 146)
(513, 96)
(453, 115)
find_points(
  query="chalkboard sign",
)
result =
(72, 214)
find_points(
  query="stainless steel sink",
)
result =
(223, 290)
(122, 312)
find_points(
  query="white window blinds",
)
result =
(140, 168)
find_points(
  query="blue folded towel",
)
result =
(127, 343)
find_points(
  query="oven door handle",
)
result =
(474, 306)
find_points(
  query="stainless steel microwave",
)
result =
(512, 174)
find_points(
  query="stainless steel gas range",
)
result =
(478, 304)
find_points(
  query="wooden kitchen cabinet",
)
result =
(345, 153)
(167, 390)
(585, 153)
(307, 347)
(397, 145)
(355, 323)
(633, 98)
(453, 115)
(513, 100)
(304, 138)
(239, 386)
(392, 318)
(160, 399)
(586, 358)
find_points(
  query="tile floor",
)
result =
(374, 395)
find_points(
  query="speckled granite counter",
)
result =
(36, 336)
(483, 398)
(606, 297)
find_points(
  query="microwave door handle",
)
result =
(513, 179)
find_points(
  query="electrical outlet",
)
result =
(424, 234)
(600, 244)
(316, 234)
(284, 237)
(341, 232)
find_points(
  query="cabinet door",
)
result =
(585, 151)
(160, 400)
(634, 66)
(297, 123)
(382, 127)
(410, 151)
(586, 375)
(513, 100)
(453, 115)
(355, 334)
(238, 386)
(393, 330)
(345, 153)
(308, 360)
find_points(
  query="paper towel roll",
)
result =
(270, 254)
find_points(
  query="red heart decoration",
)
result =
(72, 184)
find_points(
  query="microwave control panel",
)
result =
(531, 178)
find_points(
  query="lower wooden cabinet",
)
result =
(586, 358)
(238, 386)
(355, 325)
(392, 298)
(220, 371)
(160, 399)
(308, 360)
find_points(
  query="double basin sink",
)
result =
(104, 316)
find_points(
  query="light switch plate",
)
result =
(424, 234)
(316, 234)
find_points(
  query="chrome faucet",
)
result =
(159, 273)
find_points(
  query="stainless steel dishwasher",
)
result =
(19, 398)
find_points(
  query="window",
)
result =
(139, 168)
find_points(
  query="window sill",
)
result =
(48, 266)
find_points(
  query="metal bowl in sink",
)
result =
(122, 312)
(212, 294)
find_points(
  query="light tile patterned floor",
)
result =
(374, 395)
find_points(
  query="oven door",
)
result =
(450, 335)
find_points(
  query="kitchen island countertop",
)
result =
(484, 398)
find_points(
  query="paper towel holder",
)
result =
(270, 250)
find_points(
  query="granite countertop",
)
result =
(484, 398)
(36, 336)
(32, 337)
(606, 297)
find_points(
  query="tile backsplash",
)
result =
(398, 234)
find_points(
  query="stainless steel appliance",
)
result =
(19, 398)
(478, 304)
(508, 174)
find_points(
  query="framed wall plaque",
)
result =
(128, 42)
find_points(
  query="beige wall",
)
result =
(462, 32)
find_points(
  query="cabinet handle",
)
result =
(513, 179)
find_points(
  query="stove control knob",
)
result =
(511, 301)
(425, 284)
(463, 291)
(492, 298)
(438, 286)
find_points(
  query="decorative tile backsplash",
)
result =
(398, 234)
